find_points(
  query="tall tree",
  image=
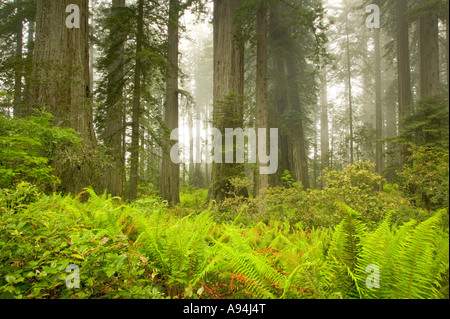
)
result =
(61, 81)
(262, 117)
(404, 71)
(378, 104)
(350, 88)
(113, 174)
(18, 76)
(170, 173)
(324, 130)
(297, 137)
(134, 149)
(429, 50)
(228, 89)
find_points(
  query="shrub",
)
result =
(426, 177)
(27, 148)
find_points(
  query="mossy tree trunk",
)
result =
(228, 90)
(61, 83)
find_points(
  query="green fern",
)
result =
(416, 274)
(343, 252)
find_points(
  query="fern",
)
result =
(415, 278)
(413, 260)
(373, 252)
(341, 258)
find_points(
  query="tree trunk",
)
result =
(18, 70)
(228, 90)
(134, 156)
(170, 173)
(279, 97)
(429, 54)
(447, 56)
(262, 118)
(404, 72)
(378, 105)
(61, 82)
(350, 97)
(25, 108)
(324, 131)
(113, 175)
(297, 139)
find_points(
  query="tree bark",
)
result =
(297, 139)
(134, 156)
(404, 71)
(279, 97)
(262, 118)
(429, 54)
(170, 173)
(25, 108)
(324, 130)
(350, 97)
(378, 104)
(18, 70)
(61, 82)
(228, 90)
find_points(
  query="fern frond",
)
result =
(416, 273)
(373, 252)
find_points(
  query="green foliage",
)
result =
(412, 259)
(27, 148)
(150, 250)
(287, 178)
(426, 176)
(429, 125)
(39, 240)
(355, 186)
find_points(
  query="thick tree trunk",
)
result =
(297, 140)
(262, 117)
(170, 173)
(279, 96)
(429, 54)
(134, 156)
(404, 72)
(61, 82)
(113, 175)
(228, 90)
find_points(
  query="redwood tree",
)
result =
(61, 82)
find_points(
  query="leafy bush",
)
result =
(27, 148)
(426, 177)
(40, 240)
(355, 186)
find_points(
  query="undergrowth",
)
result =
(149, 250)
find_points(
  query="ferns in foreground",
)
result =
(162, 254)
(412, 260)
